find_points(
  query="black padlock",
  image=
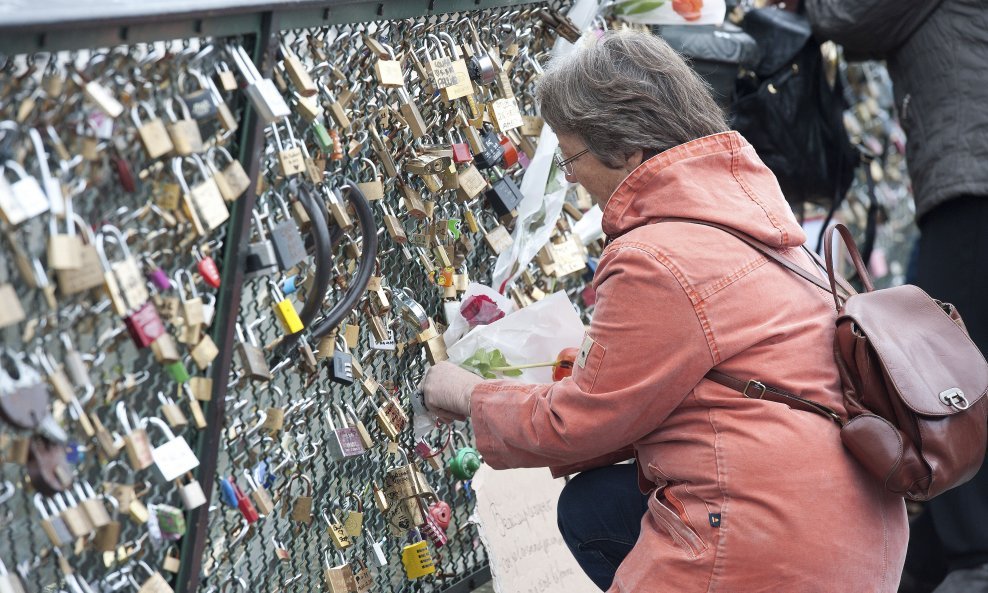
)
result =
(289, 247)
(201, 102)
(342, 370)
(503, 197)
(493, 151)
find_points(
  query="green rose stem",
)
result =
(518, 367)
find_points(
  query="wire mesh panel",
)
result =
(370, 107)
(95, 131)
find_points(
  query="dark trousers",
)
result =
(599, 514)
(952, 266)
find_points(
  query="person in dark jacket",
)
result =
(937, 54)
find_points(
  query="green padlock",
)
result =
(170, 520)
(178, 372)
(322, 136)
(466, 461)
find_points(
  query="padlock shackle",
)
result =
(161, 424)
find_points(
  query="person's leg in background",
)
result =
(599, 515)
(953, 261)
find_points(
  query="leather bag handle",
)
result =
(852, 249)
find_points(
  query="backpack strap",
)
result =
(755, 389)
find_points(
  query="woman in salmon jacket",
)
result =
(728, 492)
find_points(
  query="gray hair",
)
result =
(624, 92)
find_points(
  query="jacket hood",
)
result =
(715, 179)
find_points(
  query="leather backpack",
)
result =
(913, 382)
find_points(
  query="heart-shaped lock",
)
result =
(441, 513)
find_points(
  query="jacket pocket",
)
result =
(681, 532)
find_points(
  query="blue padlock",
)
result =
(227, 494)
(288, 285)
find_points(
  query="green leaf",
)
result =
(498, 359)
(643, 7)
(488, 375)
(514, 373)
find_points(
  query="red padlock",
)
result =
(124, 175)
(207, 269)
(144, 325)
(441, 513)
(510, 157)
(244, 504)
(461, 153)
(432, 530)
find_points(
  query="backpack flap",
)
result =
(930, 360)
(781, 35)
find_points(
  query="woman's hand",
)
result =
(447, 390)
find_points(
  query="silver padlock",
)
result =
(23, 199)
(344, 441)
(175, 457)
(191, 493)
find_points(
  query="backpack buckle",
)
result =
(954, 398)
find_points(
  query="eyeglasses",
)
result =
(567, 164)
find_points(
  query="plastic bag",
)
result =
(534, 334)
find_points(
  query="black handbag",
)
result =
(788, 111)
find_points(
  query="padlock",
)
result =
(289, 247)
(171, 563)
(482, 67)
(178, 372)
(156, 274)
(504, 197)
(403, 485)
(344, 440)
(89, 273)
(108, 536)
(290, 158)
(207, 268)
(155, 583)
(170, 520)
(498, 238)
(231, 179)
(463, 86)
(75, 518)
(175, 457)
(439, 66)
(357, 423)
(302, 505)
(261, 258)
(337, 533)
(64, 249)
(197, 96)
(416, 559)
(52, 524)
(262, 92)
(251, 356)
(431, 529)
(284, 310)
(504, 114)
(339, 578)
(91, 505)
(152, 131)
(244, 504)
(204, 199)
(123, 279)
(342, 369)
(136, 442)
(388, 71)
(373, 189)
(362, 579)
(191, 492)
(259, 494)
(466, 461)
(172, 412)
(489, 152)
(23, 199)
(441, 513)
(354, 521)
(184, 133)
(10, 582)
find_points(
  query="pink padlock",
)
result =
(441, 513)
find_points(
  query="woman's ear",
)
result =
(634, 159)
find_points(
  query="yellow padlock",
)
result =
(285, 310)
(417, 560)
